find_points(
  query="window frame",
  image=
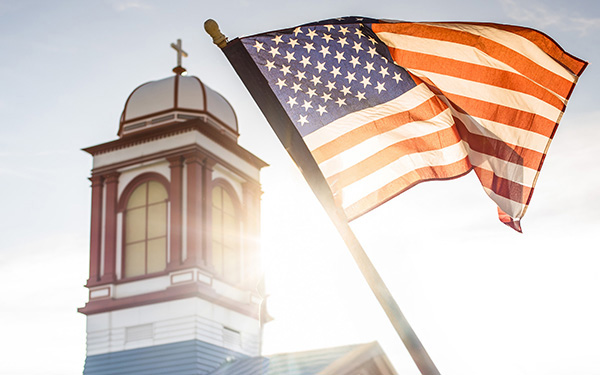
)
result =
(122, 208)
(238, 217)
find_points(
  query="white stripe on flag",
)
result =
(351, 121)
(451, 51)
(492, 94)
(371, 146)
(442, 48)
(515, 42)
(378, 179)
(505, 133)
(507, 170)
(512, 208)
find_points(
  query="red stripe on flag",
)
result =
(506, 219)
(405, 182)
(505, 188)
(425, 111)
(435, 141)
(500, 149)
(545, 43)
(494, 112)
(502, 114)
(492, 146)
(473, 72)
(494, 49)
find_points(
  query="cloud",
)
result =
(120, 5)
(585, 25)
(531, 13)
(542, 15)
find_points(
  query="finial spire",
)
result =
(212, 28)
(180, 52)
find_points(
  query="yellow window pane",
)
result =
(135, 224)
(157, 220)
(228, 204)
(230, 230)
(231, 267)
(217, 257)
(135, 262)
(216, 196)
(138, 197)
(157, 255)
(156, 192)
(217, 224)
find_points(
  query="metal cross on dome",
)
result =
(180, 52)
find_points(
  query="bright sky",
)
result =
(482, 298)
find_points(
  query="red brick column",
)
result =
(176, 165)
(193, 162)
(95, 230)
(207, 170)
(110, 230)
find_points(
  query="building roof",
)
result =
(192, 357)
(175, 99)
(200, 358)
(338, 360)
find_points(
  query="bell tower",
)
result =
(174, 253)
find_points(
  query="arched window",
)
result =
(226, 254)
(145, 235)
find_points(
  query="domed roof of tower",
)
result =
(176, 99)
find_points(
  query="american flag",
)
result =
(384, 105)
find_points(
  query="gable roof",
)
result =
(338, 360)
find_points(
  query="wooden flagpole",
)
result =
(296, 147)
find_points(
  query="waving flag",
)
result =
(384, 105)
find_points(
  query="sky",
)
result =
(481, 297)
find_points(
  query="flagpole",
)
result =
(297, 150)
(386, 300)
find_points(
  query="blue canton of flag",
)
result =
(321, 73)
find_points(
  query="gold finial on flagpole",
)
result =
(212, 28)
